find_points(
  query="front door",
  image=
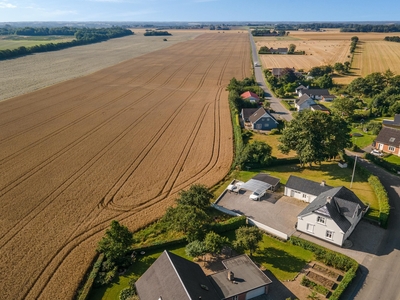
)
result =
(381, 147)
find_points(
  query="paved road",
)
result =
(379, 272)
(280, 110)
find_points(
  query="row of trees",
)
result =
(38, 31)
(268, 32)
(156, 33)
(392, 39)
(82, 37)
(354, 41)
(369, 28)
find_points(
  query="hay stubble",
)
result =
(117, 144)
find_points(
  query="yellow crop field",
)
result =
(373, 54)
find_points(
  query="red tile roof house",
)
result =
(172, 277)
(388, 140)
(250, 96)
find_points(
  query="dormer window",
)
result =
(321, 220)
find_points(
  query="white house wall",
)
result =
(319, 230)
(299, 195)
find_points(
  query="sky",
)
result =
(199, 10)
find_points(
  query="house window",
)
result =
(235, 298)
(321, 220)
(391, 148)
(329, 234)
(310, 228)
(391, 140)
(304, 196)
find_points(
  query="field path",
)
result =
(116, 144)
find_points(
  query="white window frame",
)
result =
(321, 220)
(392, 148)
(329, 234)
(310, 227)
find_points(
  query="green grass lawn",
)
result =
(111, 292)
(393, 159)
(362, 141)
(272, 140)
(328, 171)
(283, 259)
(13, 42)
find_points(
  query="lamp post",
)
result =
(354, 169)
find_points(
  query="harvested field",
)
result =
(32, 72)
(376, 56)
(117, 144)
(373, 54)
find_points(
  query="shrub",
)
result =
(274, 131)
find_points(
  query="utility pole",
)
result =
(354, 169)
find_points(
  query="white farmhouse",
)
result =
(332, 216)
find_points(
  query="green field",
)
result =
(16, 41)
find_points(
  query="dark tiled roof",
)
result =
(261, 112)
(394, 123)
(247, 112)
(319, 107)
(173, 277)
(339, 203)
(389, 136)
(247, 276)
(316, 92)
(306, 186)
(303, 99)
(267, 179)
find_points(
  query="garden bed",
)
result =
(327, 272)
(327, 283)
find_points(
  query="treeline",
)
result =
(82, 37)
(354, 41)
(156, 33)
(392, 39)
(38, 31)
(382, 88)
(370, 28)
(268, 32)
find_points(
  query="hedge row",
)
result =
(237, 131)
(84, 292)
(379, 190)
(160, 244)
(383, 199)
(383, 163)
(331, 258)
(230, 224)
(328, 257)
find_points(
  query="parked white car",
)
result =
(376, 152)
(256, 195)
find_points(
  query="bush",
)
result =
(274, 131)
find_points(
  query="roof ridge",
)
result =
(177, 273)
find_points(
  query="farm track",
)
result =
(110, 182)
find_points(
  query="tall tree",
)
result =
(257, 153)
(344, 107)
(197, 195)
(214, 242)
(187, 219)
(248, 238)
(315, 136)
(116, 242)
(292, 48)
